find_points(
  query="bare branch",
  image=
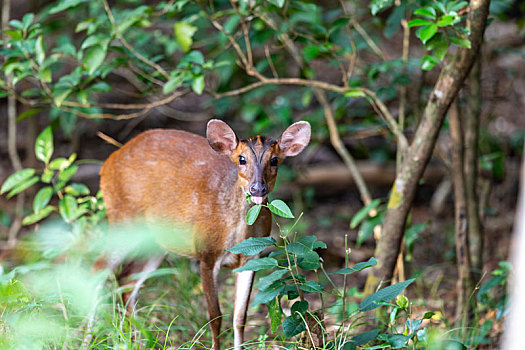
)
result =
(340, 147)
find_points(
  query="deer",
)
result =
(200, 185)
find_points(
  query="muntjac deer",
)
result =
(200, 184)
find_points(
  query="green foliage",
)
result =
(75, 204)
(493, 293)
(383, 295)
(439, 27)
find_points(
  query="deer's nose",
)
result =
(258, 189)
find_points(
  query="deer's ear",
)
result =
(295, 138)
(221, 137)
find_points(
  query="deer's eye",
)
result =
(242, 160)
(274, 161)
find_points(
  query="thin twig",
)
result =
(150, 105)
(245, 34)
(340, 147)
(269, 59)
(353, 57)
(369, 40)
(403, 92)
(109, 139)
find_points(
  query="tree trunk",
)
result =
(419, 152)
(471, 123)
(460, 209)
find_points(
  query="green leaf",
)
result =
(310, 52)
(59, 164)
(268, 294)
(275, 315)
(184, 34)
(173, 83)
(428, 62)
(293, 326)
(193, 57)
(309, 261)
(27, 20)
(427, 12)
(278, 3)
(349, 345)
(66, 4)
(439, 46)
(41, 214)
(363, 213)
(42, 198)
(60, 94)
(77, 189)
(357, 267)
(428, 32)
(446, 20)
(354, 93)
(367, 229)
(16, 24)
(257, 265)
(94, 57)
(45, 75)
(300, 307)
(299, 248)
(311, 287)
(378, 5)
(460, 42)
(365, 337)
(97, 39)
(40, 51)
(383, 295)
(252, 245)
(14, 34)
(418, 22)
(47, 176)
(395, 341)
(16, 179)
(67, 207)
(278, 207)
(44, 145)
(22, 186)
(101, 86)
(266, 281)
(197, 85)
(428, 315)
(67, 173)
(453, 6)
(253, 213)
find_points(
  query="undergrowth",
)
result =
(48, 295)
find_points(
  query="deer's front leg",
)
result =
(210, 291)
(243, 288)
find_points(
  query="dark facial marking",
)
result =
(265, 142)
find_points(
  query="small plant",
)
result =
(75, 204)
(289, 264)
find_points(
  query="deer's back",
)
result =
(174, 178)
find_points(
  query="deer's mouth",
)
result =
(257, 199)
